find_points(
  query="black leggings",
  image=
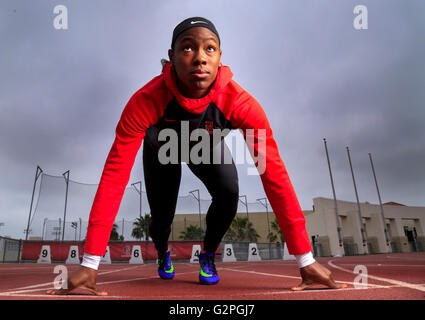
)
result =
(162, 187)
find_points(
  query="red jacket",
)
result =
(146, 108)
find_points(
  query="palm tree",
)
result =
(141, 227)
(114, 233)
(191, 233)
(272, 237)
(241, 230)
(277, 232)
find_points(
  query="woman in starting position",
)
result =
(193, 92)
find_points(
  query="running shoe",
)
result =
(208, 272)
(165, 266)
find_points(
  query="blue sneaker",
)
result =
(165, 266)
(208, 272)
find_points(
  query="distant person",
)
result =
(196, 90)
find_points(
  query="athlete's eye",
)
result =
(187, 49)
(211, 48)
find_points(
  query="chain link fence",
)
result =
(10, 250)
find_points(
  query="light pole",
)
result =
(199, 210)
(74, 225)
(245, 204)
(267, 211)
(140, 195)
(358, 205)
(37, 174)
(140, 202)
(387, 238)
(44, 227)
(66, 176)
(81, 223)
(247, 215)
(338, 219)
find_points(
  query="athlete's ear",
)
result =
(219, 65)
(170, 55)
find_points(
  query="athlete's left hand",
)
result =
(314, 274)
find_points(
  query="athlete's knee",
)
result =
(227, 192)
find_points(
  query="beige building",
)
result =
(405, 227)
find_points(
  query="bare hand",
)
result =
(84, 278)
(314, 274)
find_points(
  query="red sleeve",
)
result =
(248, 115)
(138, 115)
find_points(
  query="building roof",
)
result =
(392, 203)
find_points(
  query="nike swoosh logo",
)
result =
(204, 274)
(171, 270)
(193, 22)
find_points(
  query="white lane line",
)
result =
(382, 265)
(262, 273)
(299, 278)
(119, 270)
(51, 282)
(189, 297)
(405, 258)
(75, 296)
(392, 281)
(19, 292)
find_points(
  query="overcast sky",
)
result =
(62, 91)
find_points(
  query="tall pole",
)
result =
(74, 225)
(199, 210)
(37, 174)
(247, 215)
(44, 226)
(66, 176)
(245, 204)
(80, 221)
(267, 211)
(58, 232)
(338, 218)
(140, 196)
(358, 202)
(140, 203)
(387, 238)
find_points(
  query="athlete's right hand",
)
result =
(84, 278)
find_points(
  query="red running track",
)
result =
(389, 277)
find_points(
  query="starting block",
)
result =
(73, 257)
(229, 254)
(286, 255)
(44, 256)
(196, 251)
(136, 255)
(253, 254)
(106, 259)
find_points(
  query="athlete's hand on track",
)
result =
(315, 274)
(84, 278)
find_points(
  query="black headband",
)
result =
(190, 23)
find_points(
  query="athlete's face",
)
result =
(196, 58)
